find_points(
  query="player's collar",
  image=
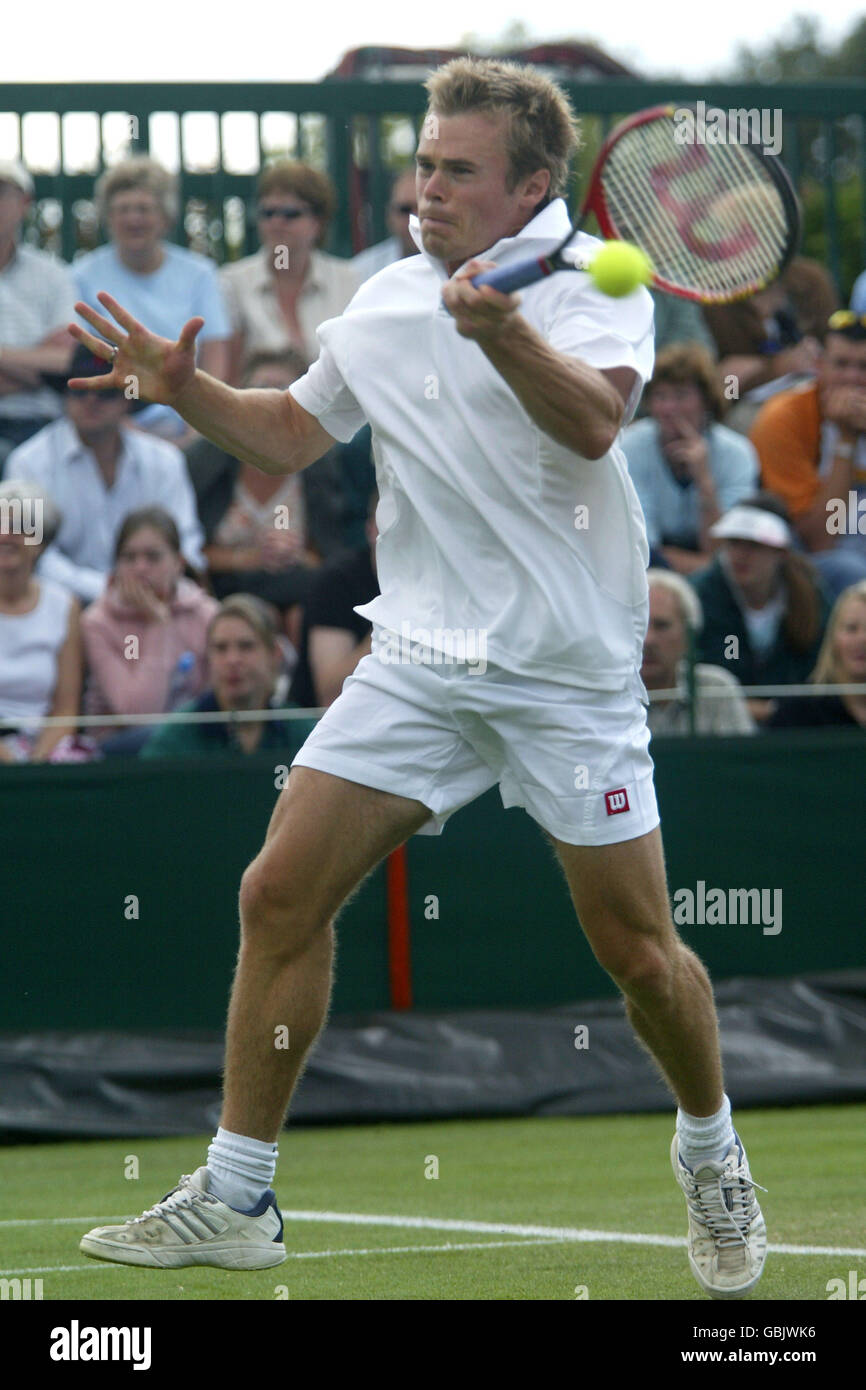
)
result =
(547, 229)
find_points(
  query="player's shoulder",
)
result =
(389, 284)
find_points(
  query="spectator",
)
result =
(37, 301)
(145, 639)
(40, 639)
(765, 607)
(675, 616)
(402, 205)
(239, 507)
(773, 339)
(335, 637)
(244, 659)
(162, 284)
(812, 446)
(98, 471)
(841, 661)
(278, 297)
(687, 467)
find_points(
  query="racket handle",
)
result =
(514, 277)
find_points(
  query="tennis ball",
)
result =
(618, 268)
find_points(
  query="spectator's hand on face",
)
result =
(688, 451)
(845, 406)
(280, 549)
(135, 594)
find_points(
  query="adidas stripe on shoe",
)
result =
(190, 1226)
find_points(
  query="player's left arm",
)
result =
(580, 406)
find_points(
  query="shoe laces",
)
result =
(181, 1196)
(728, 1224)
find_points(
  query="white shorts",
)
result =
(575, 759)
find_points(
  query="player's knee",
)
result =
(273, 914)
(643, 968)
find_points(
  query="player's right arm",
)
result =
(268, 429)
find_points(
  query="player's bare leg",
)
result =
(620, 895)
(325, 836)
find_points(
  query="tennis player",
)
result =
(506, 650)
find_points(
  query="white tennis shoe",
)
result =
(727, 1235)
(190, 1226)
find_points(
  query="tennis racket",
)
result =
(717, 221)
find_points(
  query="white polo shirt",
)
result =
(486, 524)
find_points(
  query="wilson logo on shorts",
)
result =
(616, 801)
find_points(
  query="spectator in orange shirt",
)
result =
(812, 445)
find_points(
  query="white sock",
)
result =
(705, 1138)
(241, 1170)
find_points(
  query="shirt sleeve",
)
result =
(179, 500)
(605, 332)
(323, 391)
(87, 584)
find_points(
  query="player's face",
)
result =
(850, 642)
(242, 668)
(665, 642)
(147, 557)
(464, 205)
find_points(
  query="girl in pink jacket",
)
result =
(145, 638)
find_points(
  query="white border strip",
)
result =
(544, 1234)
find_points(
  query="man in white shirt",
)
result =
(97, 471)
(507, 643)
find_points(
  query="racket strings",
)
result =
(710, 217)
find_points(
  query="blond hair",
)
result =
(826, 670)
(543, 131)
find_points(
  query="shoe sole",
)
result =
(217, 1257)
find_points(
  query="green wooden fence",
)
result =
(360, 131)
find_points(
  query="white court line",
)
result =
(448, 1247)
(493, 1228)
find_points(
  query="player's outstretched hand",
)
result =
(156, 368)
(478, 313)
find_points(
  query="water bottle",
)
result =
(178, 686)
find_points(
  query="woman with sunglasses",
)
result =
(278, 297)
